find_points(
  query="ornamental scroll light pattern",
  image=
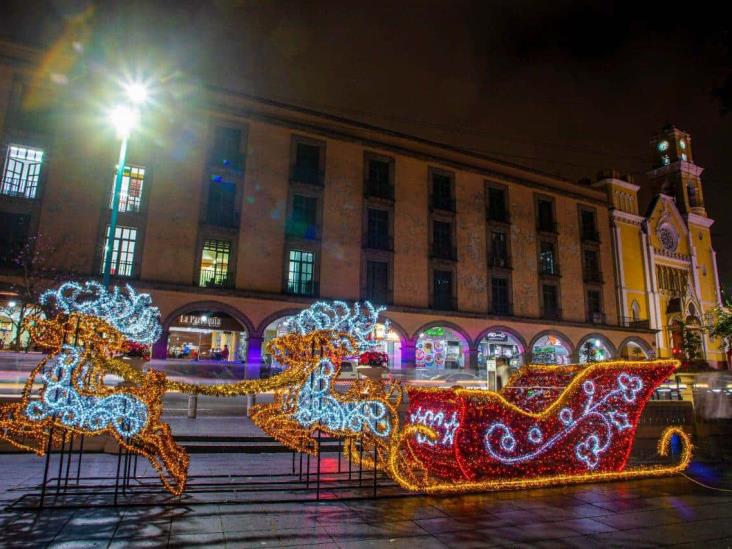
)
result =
(318, 340)
(91, 325)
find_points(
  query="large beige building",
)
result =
(237, 212)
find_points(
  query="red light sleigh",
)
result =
(550, 425)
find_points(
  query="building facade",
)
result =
(247, 210)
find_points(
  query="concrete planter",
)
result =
(373, 373)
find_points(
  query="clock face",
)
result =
(668, 238)
(663, 146)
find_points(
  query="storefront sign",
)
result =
(496, 336)
(195, 320)
(435, 332)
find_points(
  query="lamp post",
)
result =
(124, 118)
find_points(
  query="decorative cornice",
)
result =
(678, 166)
(617, 182)
(693, 219)
(633, 219)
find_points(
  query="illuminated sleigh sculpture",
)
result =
(319, 339)
(92, 325)
(550, 425)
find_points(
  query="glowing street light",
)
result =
(12, 304)
(124, 118)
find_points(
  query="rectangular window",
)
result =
(594, 305)
(442, 240)
(13, 236)
(221, 199)
(550, 301)
(304, 222)
(378, 229)
(442, 192)
(589, 227)
(22, 171)
(378, 182)
(123, 251)
(499, 296)
(300, 279)
(499, 250)
(130, 194)
(377, 282)
(497, 210)
(227, 148)
(546, 215)
(591, 266)
(307, 164)
(442, 290)
(547, 259)
(215, 264)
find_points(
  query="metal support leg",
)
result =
(78, 464)
(49, 447)
(68, 462)
(60, 464)
(317, 489)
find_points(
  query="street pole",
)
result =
(115, 207)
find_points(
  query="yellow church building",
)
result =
(666, 267)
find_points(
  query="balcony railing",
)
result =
(307, 289)
(444, 303)
(233, 161)
(221, 218)
(377, 241)
(499, 261)
(596, 317)
(300, 229)
(546, 226)
(549, 270)
(640, 323)
(444, 203)
(590, 236)
(212, 278)
(501, 216)
(441, 251)
(593, 276)
(378, 189)
(304, 174)
(503, 309)
(552, 314)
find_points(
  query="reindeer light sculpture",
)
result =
(92, 324)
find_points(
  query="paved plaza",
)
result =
(641, 513)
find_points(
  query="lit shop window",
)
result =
(123, 251)
(22, 171)
(130, 195)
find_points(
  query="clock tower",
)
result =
(674, 172)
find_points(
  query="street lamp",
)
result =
(124, 118)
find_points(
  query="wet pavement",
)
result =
(643, 513)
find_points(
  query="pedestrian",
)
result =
(225, 354)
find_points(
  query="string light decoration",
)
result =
(130, 313)
(65, 393)
(319, 339)
(586, 434)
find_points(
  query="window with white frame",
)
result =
(22, 171)
(300, 273)
(123, 251)
(130, 194)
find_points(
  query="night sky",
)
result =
(565, 87)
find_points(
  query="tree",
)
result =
(721, 325)
(35, 274)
